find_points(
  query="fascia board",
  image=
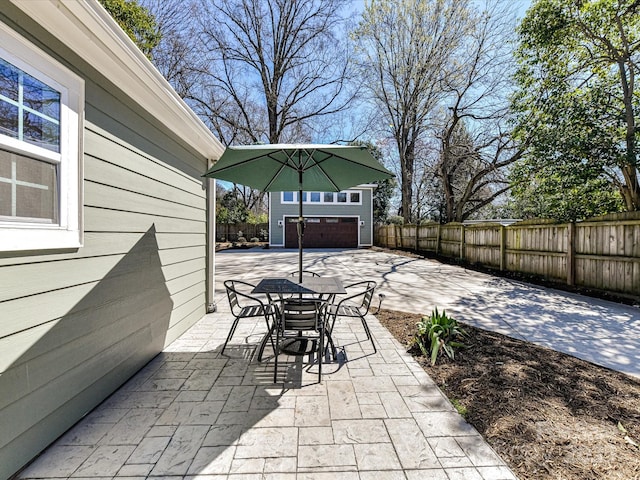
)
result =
(87, 28)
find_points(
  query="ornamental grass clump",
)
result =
(439, 333)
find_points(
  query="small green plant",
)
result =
(460, 408)
(438, 333)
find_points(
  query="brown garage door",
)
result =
(323, 232)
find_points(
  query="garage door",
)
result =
(324, 232)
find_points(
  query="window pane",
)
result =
(328, 197)
(41, 132)
(315, 196)
(287, 196)
(8, 80)
(8, 119)
(5, 199)
(36, 103)
(355, 197)
(342, 197)
(29, 188)
(40, 97)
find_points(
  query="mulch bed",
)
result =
(547, 414)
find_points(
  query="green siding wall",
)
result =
(75, 325)
(278, 210)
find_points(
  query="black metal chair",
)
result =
(355, 304)
(309, 273)
(303, 322)
(244, 305)
(305, 273)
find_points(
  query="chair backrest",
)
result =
(305, 273)
(363, 296)
(236, 293)
(301, 314)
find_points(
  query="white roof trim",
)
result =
(87, 28)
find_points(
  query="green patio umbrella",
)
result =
(301, 167)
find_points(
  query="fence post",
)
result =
(417, 238)
(503, 248)
(571, 253)
(438, 240)
(461, 242)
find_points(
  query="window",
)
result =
(288, 197)
(346, 197)
(41, 104)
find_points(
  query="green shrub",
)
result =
(254, 240)
(242, 240)
(438, 334)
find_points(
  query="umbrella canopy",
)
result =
(302, 167)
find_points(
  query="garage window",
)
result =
(41, 104)
(350, 197)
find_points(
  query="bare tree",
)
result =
(476, 144)
(176, 56)
(272, 68)
(405, 48)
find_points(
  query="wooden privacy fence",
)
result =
(228, 232)
(601, 253)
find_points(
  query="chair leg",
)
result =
(330, 344)
(329, 332)
(275, 356)
(320, 354)
(263, 343)
(234, 325)
(368, 332)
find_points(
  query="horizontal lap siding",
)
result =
(74, 325)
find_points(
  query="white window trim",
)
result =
(307, 198)
(68, 233)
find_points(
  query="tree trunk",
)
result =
(407, 189)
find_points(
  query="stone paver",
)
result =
(194, 414)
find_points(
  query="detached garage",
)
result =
(332, 219)
(323, 232)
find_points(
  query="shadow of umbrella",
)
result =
(301, 167)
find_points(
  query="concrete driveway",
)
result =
(598, 331)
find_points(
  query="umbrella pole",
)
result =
(300, 226)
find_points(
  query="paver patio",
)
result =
(194, 414)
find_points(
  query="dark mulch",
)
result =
(547, 414)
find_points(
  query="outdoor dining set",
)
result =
(300, 312)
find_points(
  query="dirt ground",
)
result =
(547, 414)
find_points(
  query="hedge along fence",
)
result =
(601, 253)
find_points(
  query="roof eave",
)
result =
(86, 27)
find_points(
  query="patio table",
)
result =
(309, 286)
(287, 286)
